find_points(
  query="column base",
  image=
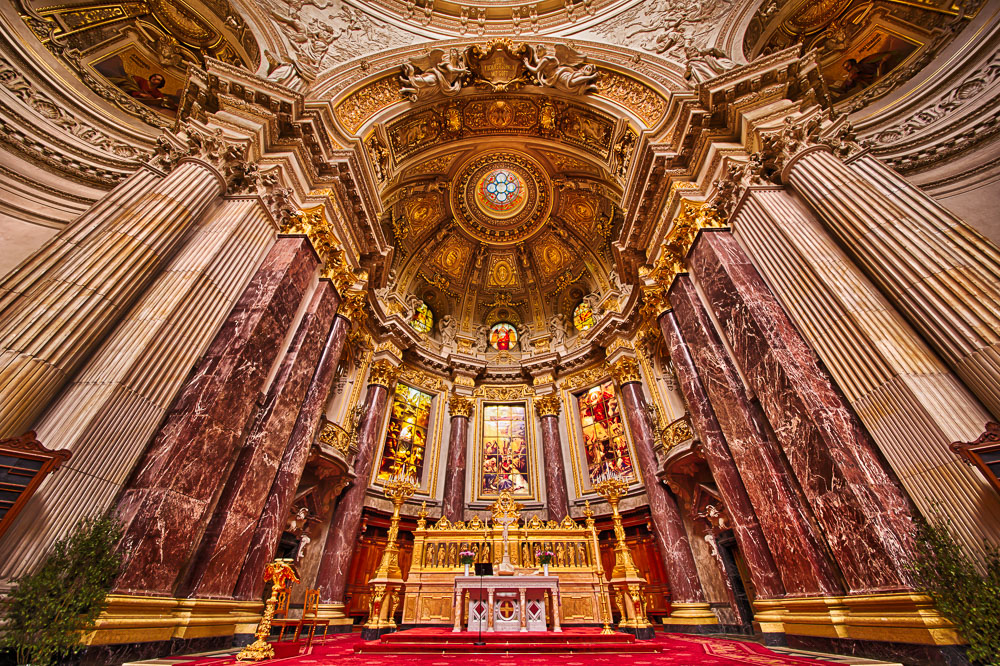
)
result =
(340, 623)
(691, 618)
(901, 627)
(373, 633)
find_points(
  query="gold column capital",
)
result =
(460, 405)
(548, 405)
(383, 373)
(352, 304)
(626, 370)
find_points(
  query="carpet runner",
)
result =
(664, 650)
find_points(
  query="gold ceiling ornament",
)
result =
(498, 65)
(366, 101)
(566, 279)
(654, 302)
(460, 405)
(439, 281)
(501, 217)
(634, 95)
(352, 305)
(626, 370)
(548, 405)
(312, 223)
(510, 392)
(503, 299)
(383, 373)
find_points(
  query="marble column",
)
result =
(943, 277)
(343, 535)
(169, 501)
(785, 519)
(556, 494)
(48, 333)
(70, 239)
(124, 391)
(864, 513)
(746, 528)
(665, 515)
(453, 504)
(910, 402)
(270, 526)
(226, 541)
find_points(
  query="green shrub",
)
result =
(964, 595)
(48, 611)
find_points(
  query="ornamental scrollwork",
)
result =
(383, 373)
(549, 405)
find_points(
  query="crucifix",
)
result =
(506, 512)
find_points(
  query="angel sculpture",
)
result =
(704, 64)
(448, 328)
(523, 332)
(557, 327)
(482, 334)
(434, 74)
(594, 301)
(566, 71)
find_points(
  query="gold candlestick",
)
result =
(280, 573)
(387, 581)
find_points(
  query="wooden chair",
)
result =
(281, 619)
(310, 617)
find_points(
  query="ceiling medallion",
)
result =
(501, 197)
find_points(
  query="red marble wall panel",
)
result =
(167, 504)
(864, 514)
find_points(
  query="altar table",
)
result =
(513, 603)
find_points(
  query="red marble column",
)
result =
(555, 469)
(746, 528)
(343, 535)
(864, 514)
(665, 515)
(787, 523)
(224, 546)
(453, 505)
(167, 504)
(264, 543)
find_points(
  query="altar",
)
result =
(439, 591)
(507, 603)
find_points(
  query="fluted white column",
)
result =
(49, 332)
(30, 271)
(909, 401)
(946, 282)
(110, 412)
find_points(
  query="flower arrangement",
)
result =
(466, 557)
(544, 556)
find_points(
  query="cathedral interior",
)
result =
(695, 302)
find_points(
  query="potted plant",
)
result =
(544, 556)
(466, 557)
(49, 611)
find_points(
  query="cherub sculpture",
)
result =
(566, 70)
(433, 74)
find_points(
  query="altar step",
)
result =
(444, 641)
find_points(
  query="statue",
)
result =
(557, 327)
(616, 282)
(433, 74)
(448, 328)
(523, 332)
(704, 64)
(594, 301)
(566, 71)
(482, 336)
(413, 303)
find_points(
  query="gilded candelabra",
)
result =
(280, 573)
(388, 578)
(627, 584)
(588, 514)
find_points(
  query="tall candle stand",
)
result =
(280, 573)
(387, 583)
(627, 584)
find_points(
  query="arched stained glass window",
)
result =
(503, 336)
(423, 319)
(604, 438)
(406, 438)
(583, 316)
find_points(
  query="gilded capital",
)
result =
(352, 305)
(548, 405)
(626, 370)
(383, 373)
(460, 406)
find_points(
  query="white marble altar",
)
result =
(507, 603)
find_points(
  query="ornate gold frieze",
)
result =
(693, 217)
(626, 370)
(549, 405)
(335, 436)
(542, 379)
(618, 343)
(368, 100)
(513, 392)
(421, 379)
(586, 377)
(383, 373)
(460, 406)
(463, 380)
(634, 95)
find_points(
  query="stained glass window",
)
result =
(502, 189)
(406, 439)
(423, 319)
(503, 336)
(604, 432)
(583, 316)
(505, 450)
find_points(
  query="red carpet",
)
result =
(664, 650)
